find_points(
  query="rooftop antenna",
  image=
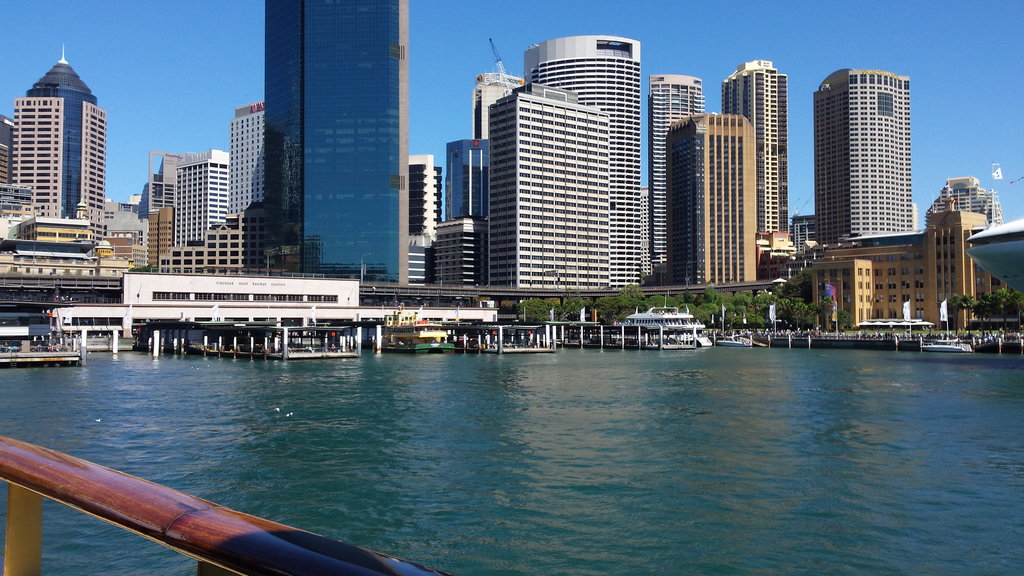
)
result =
(62, 60)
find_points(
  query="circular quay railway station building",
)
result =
(150, 298)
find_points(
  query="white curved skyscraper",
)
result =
(604, 71)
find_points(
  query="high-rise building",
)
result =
(802, 231)
(757, 90)
(460, 252)
(201, 199)
(604, 72)
(466, 179)
(6, 145)
(671, 98)
(337, 136)
(424, 196)
(862, 155)
(712, 208)
(548, 225)
(160, 234)
(158, 192)
(246, 184)
(967, 195)
(60, 146)
(490, 87)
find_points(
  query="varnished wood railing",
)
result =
(223, 541)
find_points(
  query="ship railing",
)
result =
(221, 540)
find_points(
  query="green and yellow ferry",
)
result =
(405, 332)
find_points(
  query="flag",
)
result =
(67, 316)
(997, 172)
(126, 320)
(458, 310)
(583, 314)
(687, 308)
(771, 313)
(551, 315)
(906, 310)
(312, 315)
(834, 310)
(943, 313)
(1017, 180)
(723, 311)
(215, 313)
(830, 290)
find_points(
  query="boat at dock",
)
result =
(405, 332)
(948, 345)
(733, 342)
(679, 327)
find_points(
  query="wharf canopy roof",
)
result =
(895, 323)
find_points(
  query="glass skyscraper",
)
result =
(466, 186)
(336, 175)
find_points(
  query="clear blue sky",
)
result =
(171, 74)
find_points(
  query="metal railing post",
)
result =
(24, 549)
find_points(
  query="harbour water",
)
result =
(584, 462)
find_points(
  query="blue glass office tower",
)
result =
(336, 93)
(466, 187)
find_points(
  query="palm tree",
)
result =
(964, 302)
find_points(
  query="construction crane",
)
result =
(502, 78)
(497, 58)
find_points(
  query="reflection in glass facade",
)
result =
(337, 137)
(466, 187)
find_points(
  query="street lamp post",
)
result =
(362, 266)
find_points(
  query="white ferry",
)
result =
(670, 319)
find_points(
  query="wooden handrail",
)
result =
(198, 528)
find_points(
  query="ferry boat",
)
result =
(405, 332)
(946, 345)
(670, 319)
(1000, 251)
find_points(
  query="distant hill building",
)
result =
(966, 194)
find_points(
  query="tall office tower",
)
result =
(246, 184)
(465, 190)
(337, 136)
(712, 195)
(802, 231)
(160, 234)
(604, 71)
(967, 195)
(548, 222)
(424, 195)
(6, 145)
(60, 146)
(862, 155)
(460, 252)
(671, 97)
(159, 190)
(757, 90)
(490, 87)
(201, 199)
